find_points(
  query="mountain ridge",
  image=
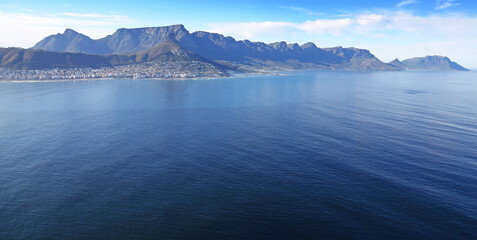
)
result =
(217, 47)
(238, 53)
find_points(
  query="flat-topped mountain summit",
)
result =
(428, 63)
(437, 63)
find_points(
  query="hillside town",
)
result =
(155, 69)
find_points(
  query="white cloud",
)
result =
(369, 19)
(402, 33)
(252, 29)
(406, 2)
(335, 27)
(331, 26)
(443, 4)
(461, 52)
(25, 29)
(110, 18)
(282, 29)
(301, 10)
(456, 25)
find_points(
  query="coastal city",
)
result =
(155, 69)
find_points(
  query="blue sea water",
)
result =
(308, 155)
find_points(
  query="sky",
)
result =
(389, 29)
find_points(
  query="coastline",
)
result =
(109, 78)
(232, 74)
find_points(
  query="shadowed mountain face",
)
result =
(428, 63)
(17, 58)
(219, 48)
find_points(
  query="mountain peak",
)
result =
(397, 63)
(308, 45)
(178, 26)
(279, 45)
(70, 31)
(70, 41)
(293, 46)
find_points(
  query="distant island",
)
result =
(173, 52)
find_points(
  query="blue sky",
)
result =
(390, 29)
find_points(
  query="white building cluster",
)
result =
(162, 70)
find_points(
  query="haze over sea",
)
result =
(308, 155)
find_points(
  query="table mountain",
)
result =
(125, 41)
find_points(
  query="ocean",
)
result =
(302, 155)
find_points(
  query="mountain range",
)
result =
(176, 43)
